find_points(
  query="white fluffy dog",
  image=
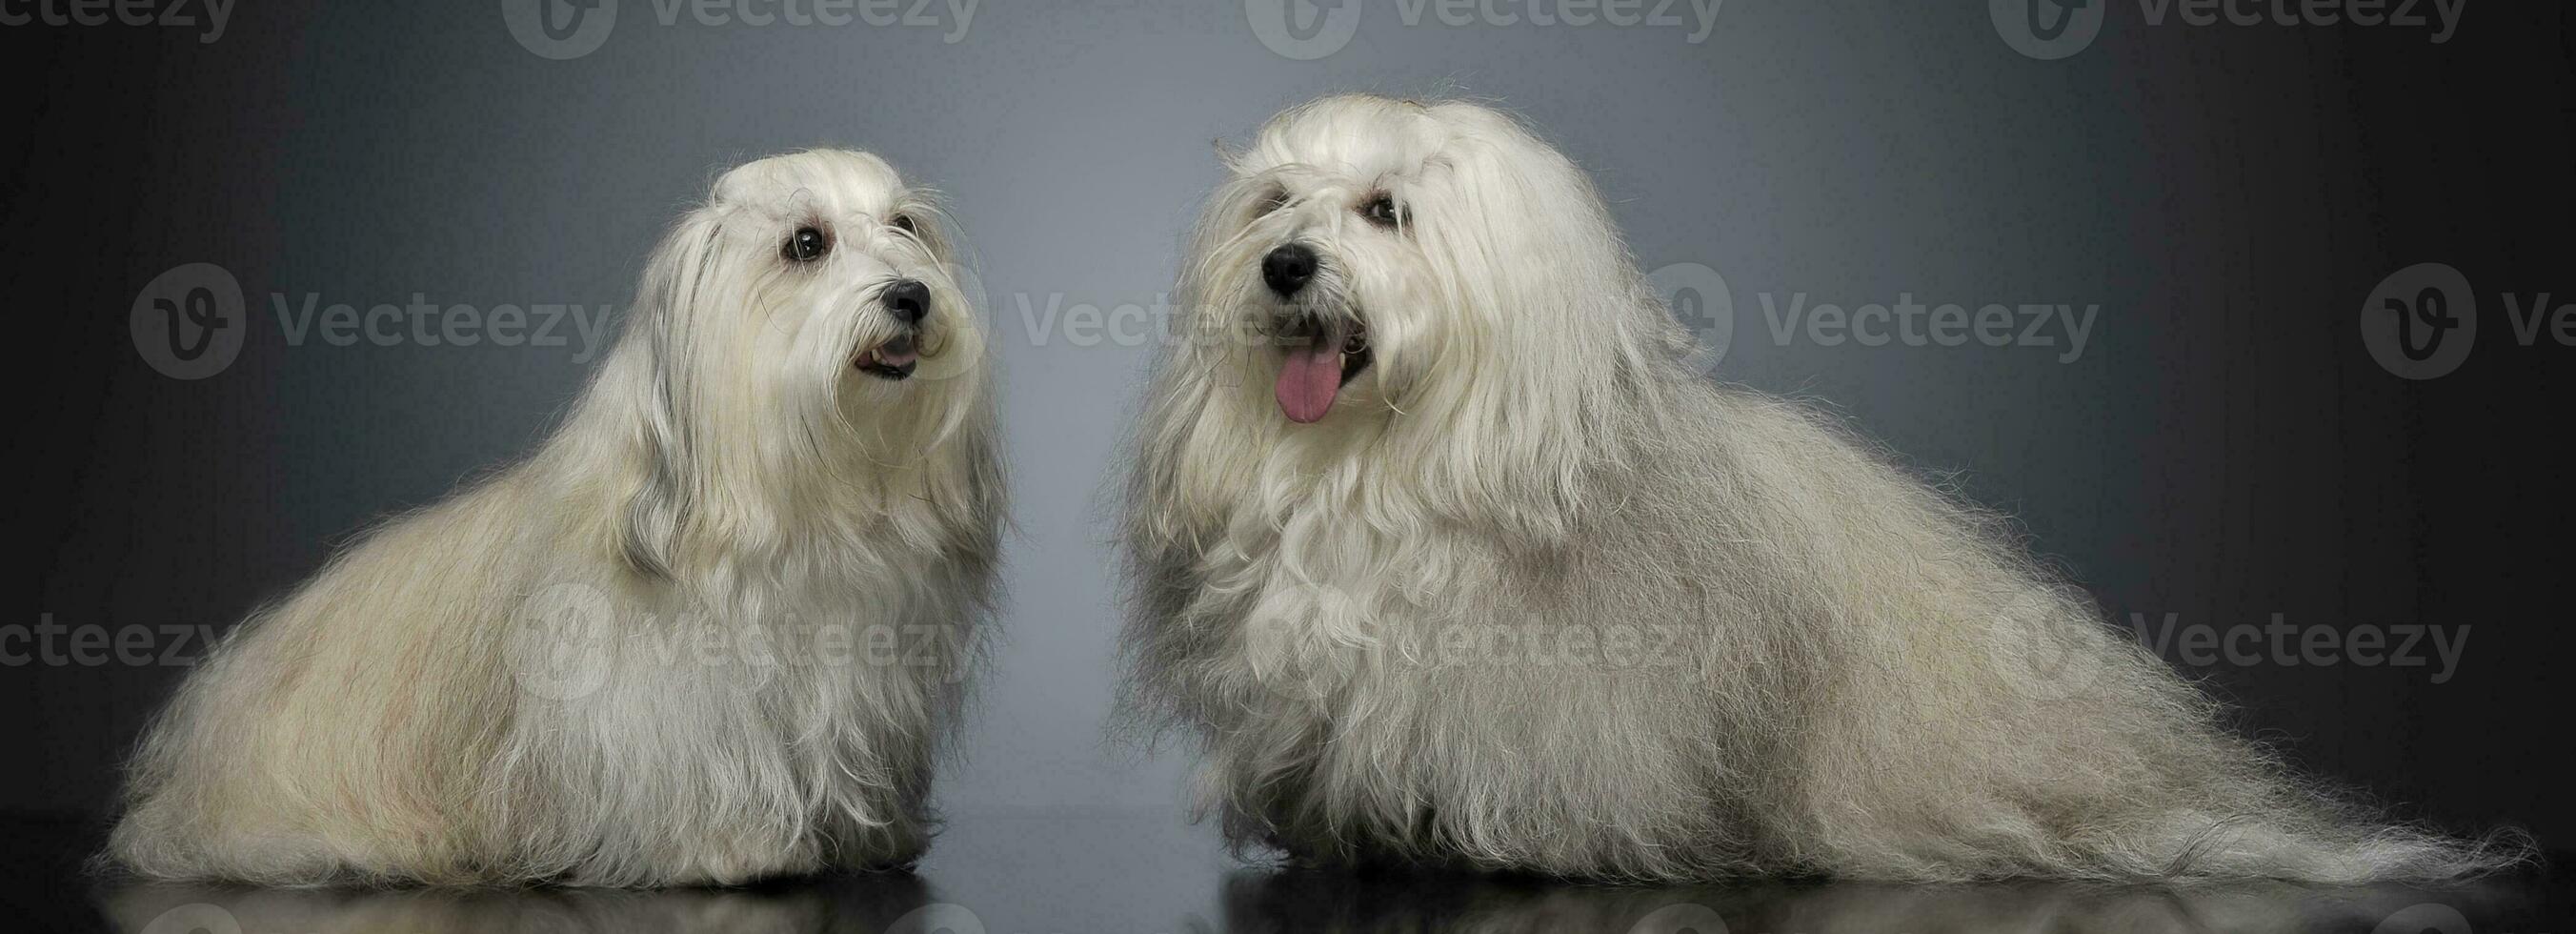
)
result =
(712, 631)
(1459, 563)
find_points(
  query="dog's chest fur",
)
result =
(1312, 593)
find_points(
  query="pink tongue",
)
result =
(1309, 380)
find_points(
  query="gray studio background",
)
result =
(2222, 449)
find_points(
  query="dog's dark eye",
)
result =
(903, 222)
(1381, 210)
(807, 244)
(1276, 199)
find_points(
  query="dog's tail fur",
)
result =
(1960, 712)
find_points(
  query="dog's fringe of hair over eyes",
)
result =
(1862, 676)
(510, 686)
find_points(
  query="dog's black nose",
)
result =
(908, 301)
(1288, 268)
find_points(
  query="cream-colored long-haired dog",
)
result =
(1443, 553)
(714, 630)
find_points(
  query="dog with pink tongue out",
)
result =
(1324, 349)
(1442, 551)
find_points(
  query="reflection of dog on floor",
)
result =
(876, 903)
(1429, 396)
(1303, 902)
(650, 654)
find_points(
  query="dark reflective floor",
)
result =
(1137, 874)
(1303, 902)
(1259, 901)
(860, 906)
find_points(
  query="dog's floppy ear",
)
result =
(663, 497)
(1550, 328)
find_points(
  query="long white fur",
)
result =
(1845, 671)
(642, 656)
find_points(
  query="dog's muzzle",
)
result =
(1324, 343)
(907, 301)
